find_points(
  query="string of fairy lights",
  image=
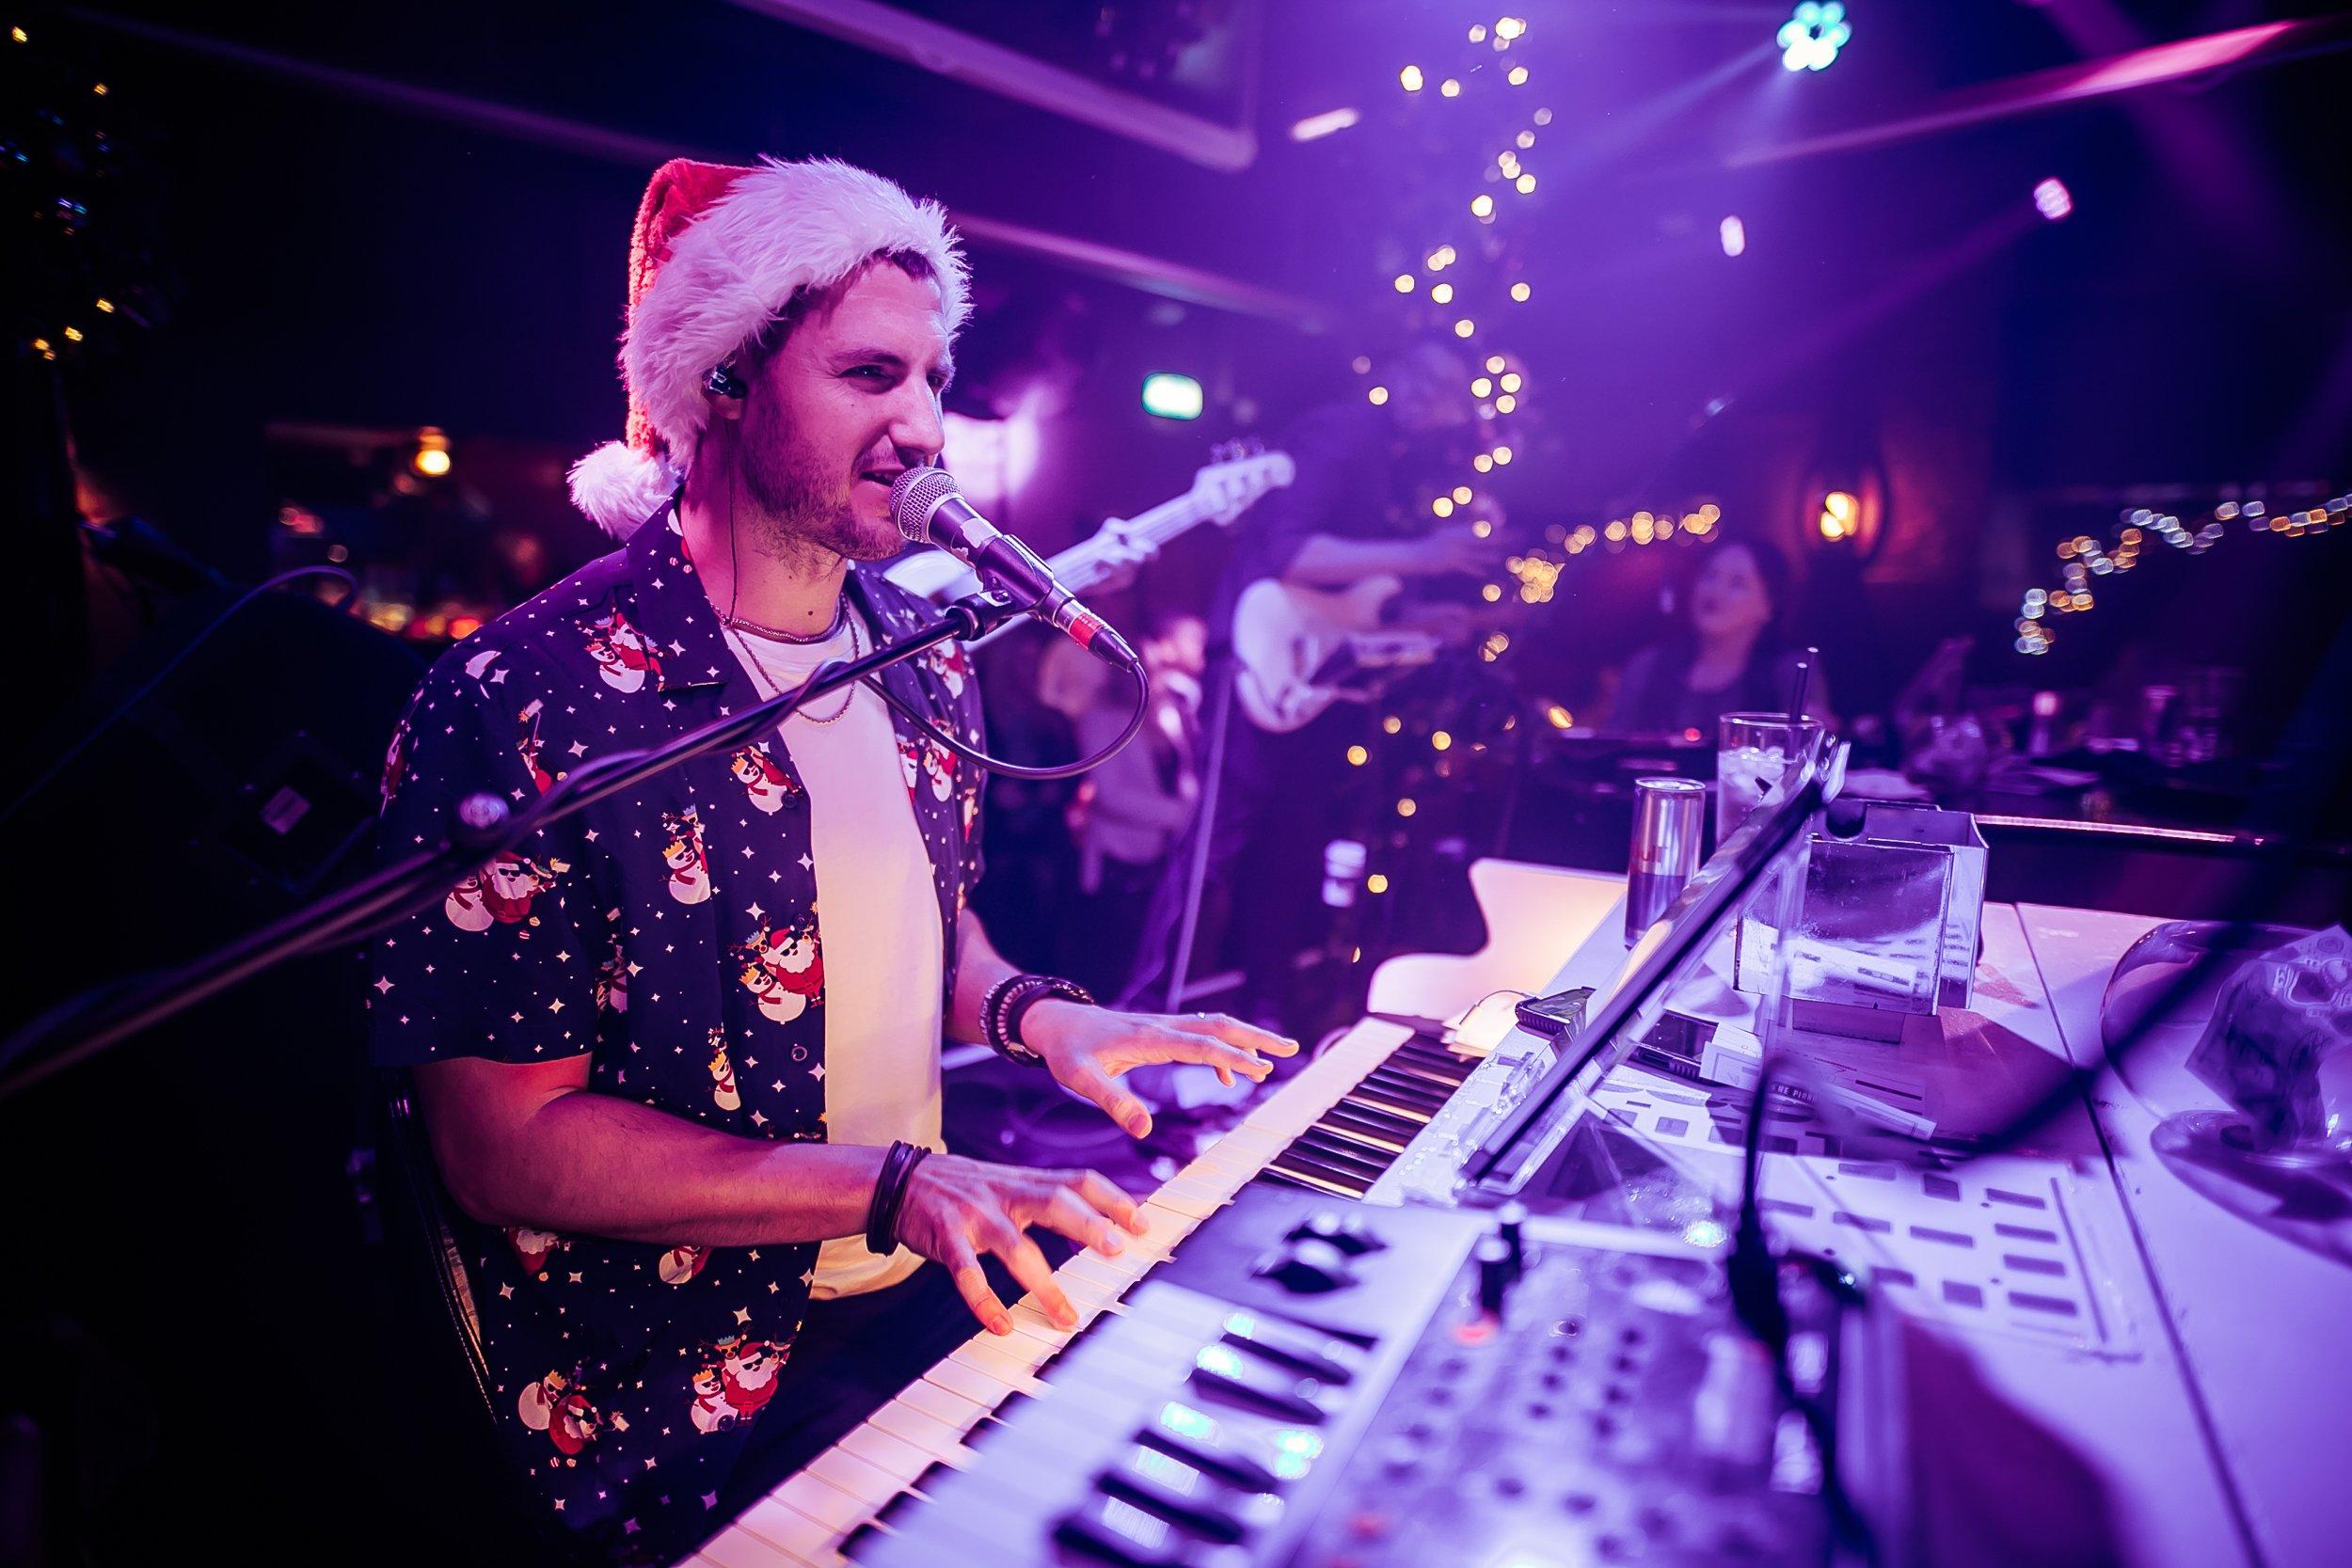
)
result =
(81, 260)
(2085, 557)
(1467, 281)
(1463, 285)
(1488, 274)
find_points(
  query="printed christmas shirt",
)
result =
(673, 936)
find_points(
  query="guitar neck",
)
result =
(1082, 565)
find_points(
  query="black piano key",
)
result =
(1297, 1161)
(1434, 1057)
(1435, 1089)
(1383, 1100)
(1408, 1073)
(1342, 1124)
(1413, 1066)
(1345, 1156)
(1312, 1182)
(1412, 1090)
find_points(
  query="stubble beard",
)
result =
(804, 511)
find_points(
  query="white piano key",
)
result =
(735, 1547)
(1007, 1358)
(937, 1438)
(893, 1455)
(949, 1409)
(1085, 1293)
(1191, 1204)
(974, 1381)
(788, 1528)
(862, 1479)
(1169, 1225)
(1097, 1270)
(822, 1502)
(1029, 1322)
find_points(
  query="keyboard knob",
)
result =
(1495, 1275)
(1510, 1223)
(1344, 1229)
(1308, 1267)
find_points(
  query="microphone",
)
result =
(930, 509)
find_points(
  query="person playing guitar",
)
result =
(1348, 539)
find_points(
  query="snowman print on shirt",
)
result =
(624, 656)
(710, 1410)
(783, 969)
(762, 777)
(682, 851)
(722, 1090)
(500, 893)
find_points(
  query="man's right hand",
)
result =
(957, 1209)
(1448, 550)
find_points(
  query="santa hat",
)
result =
(717, 252)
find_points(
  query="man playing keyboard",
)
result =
(692, 1127)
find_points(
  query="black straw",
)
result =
(1803, 682)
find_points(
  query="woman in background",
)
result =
(1729, 652)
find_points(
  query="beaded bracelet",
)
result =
(1009, 1000)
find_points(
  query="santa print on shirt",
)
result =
(926, 759)
(670, 934)
(623, 655)
(556, 1406)
(500, 893)
(785, 969)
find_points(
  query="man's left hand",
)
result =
(1087, 1048)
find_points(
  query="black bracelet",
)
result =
(1040, 988)
(890, 1193)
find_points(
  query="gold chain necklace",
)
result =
(760, 680)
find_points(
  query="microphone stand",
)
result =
(481, 827)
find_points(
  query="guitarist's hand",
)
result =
(1447, 551)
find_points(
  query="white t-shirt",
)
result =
(878, 917)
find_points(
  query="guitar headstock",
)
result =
(1237, 474)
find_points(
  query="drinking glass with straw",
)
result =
(1756, 752)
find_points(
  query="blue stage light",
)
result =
(1171, 396)
(1813, 35)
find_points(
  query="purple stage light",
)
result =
(1735, 235)
(2052, 199)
